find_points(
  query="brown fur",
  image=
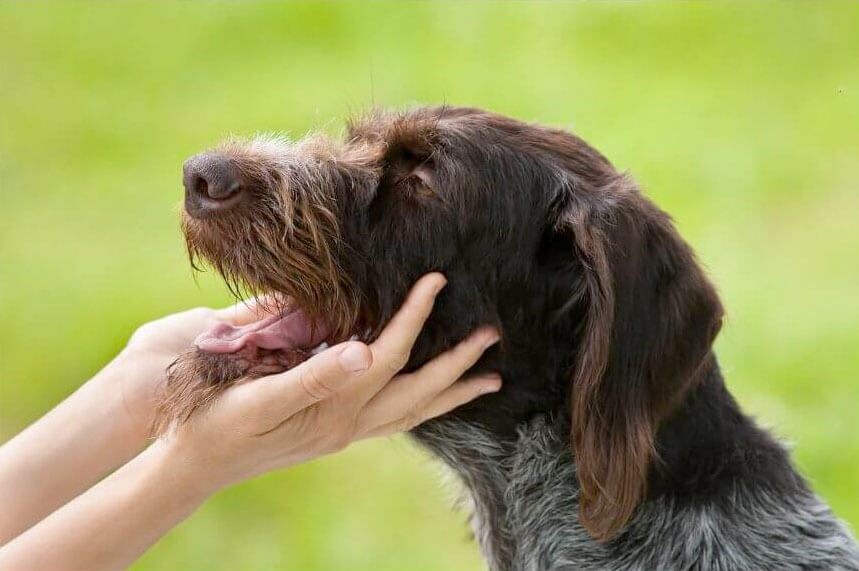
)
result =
(648, 314)
(623, 386)
(295, 252)
(195, 379)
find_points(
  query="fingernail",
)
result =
(492, 387)
(355, 357)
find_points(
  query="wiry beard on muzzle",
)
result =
(282, 241)
(287, 244)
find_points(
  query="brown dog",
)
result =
(607, 324)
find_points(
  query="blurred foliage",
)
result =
(742, 120)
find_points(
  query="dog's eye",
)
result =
(424, 183)
(423, 190)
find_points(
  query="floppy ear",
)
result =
(651, 317)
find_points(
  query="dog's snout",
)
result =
(212, 184)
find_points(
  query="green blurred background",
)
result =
(740, 120)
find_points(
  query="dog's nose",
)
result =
(212, 184)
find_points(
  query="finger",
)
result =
(318, 378)
(458, 394)
(461, 392)
(246, 311)
(412, 391)
(394, 345)
(454, 362)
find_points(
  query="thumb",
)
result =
(316, 379)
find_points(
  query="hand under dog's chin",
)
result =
(226, 354)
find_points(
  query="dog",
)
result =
(614, 443)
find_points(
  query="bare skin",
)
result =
(55, 515)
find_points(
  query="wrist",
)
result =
(130, 381)
(178, 468)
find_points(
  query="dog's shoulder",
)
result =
(747, 528)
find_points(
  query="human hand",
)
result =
(139, 369)
(346, 393)
(100, 426)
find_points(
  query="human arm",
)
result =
(341, 395)
(100, 426)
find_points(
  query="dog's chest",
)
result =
(524, 496)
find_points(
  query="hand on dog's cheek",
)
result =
(343, 394)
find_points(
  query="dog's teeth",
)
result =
(319, 348)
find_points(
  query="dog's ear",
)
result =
(650, 318)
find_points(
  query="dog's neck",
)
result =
(534, 356)
(525, 490)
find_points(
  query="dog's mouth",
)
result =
(226, 354)
(274, 343)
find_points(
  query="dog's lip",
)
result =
(291, 329)
(205, 207)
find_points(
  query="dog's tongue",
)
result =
(292, 330)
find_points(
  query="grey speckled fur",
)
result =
(525, 496)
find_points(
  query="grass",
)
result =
(739, 119)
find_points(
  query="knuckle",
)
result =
(423, 312)
(313, 384)
(467, 353)
(410, 420)
(414, 312)
(142, 332)
(262, 412)
(396, 361)
(473, 347)
(202, 314)
(338, 441)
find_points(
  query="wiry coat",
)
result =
(524, 495)
(613, 443)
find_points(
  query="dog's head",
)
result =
(603, 310)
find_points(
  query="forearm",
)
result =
(67, 451)
(114, 522)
